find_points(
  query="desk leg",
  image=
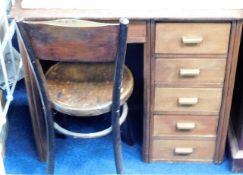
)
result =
(228, 90)
(147, 92)
(35, 111)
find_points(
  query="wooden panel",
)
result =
(34, 104)
(136, 32)
(235, 131)
(228, 90)
(201, 150)
(198, 38)
(179, 125)
(202, 100)
(147, 91)
(71, 43)
(190, 71)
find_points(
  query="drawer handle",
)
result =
(185, 126)
(187, 101)
(183, 151)
(191, 40)
(189, 72)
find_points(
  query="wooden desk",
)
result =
(190, 59)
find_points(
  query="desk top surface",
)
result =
(133, 9)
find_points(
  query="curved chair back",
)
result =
(74, 40)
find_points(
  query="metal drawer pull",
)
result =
(188, 101)
(189, 72)
(185, 126)
(191, 40)
(183, 151)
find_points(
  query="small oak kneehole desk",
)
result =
(190, 60)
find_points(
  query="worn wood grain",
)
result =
(34, 107)
(166, 125)
(167, 71)
(228, 90)
(203, 150)
(147, 92)
(150, 92)
(85, 89)
(56, 41)
(209, 100)
(137, 32)
(169, 36)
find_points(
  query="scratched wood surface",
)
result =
(202, 150)
(79, 41)
(85, 89)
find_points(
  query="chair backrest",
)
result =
(73, 40)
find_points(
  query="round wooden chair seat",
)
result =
(83, 89)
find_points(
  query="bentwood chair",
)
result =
(89, 78)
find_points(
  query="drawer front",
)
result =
(136, 32)
(181, 125)
(192, 38)
(183, 150)
(190, 71)
(188, 100)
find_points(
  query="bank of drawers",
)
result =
(190, 62)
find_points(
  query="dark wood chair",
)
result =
(89, 78)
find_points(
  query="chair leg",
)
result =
(50, 145)
(127, 134)
(117, 142)
(50, 163)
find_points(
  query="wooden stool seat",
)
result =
(83, 89)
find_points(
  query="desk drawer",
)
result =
(190, 71)
(188, 100)
(183, 150)
(182, 125)
(136, 32)
(192, 38)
